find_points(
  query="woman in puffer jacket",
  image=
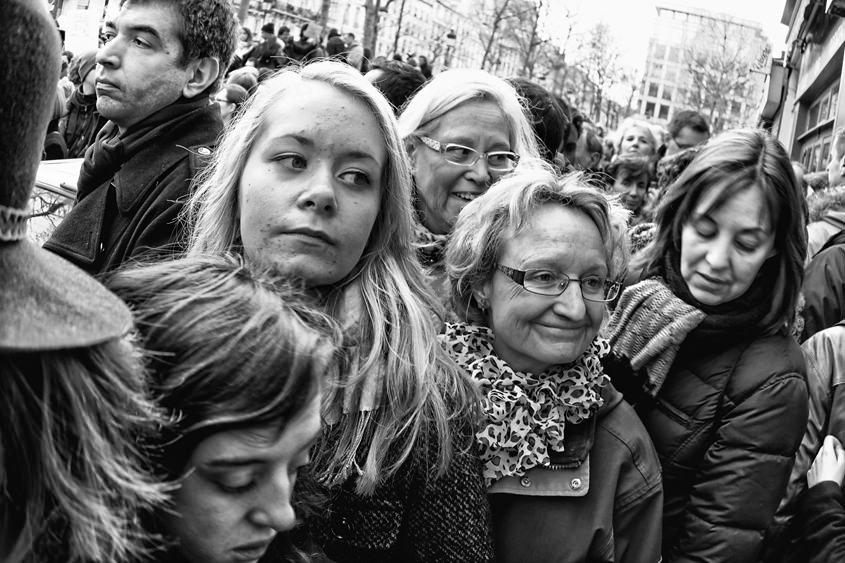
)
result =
(701, 346)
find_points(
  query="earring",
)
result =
(483, 304)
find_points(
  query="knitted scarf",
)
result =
(526, 414)
(111, 149)
(655, 316)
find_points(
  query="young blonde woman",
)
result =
(313, 180)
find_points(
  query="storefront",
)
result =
(809, 78)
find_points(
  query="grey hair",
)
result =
(485, 224)
(453, 88)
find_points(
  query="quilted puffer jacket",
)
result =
(726, 424)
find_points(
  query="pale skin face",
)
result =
(686, 138)
(535, 332)
(140, 70)
(445, 188)
(311, 188)
(632, 189)
(722, 251)
(636, 140)
(236, 493)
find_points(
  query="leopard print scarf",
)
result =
(525, 413)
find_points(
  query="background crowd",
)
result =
(310, 305)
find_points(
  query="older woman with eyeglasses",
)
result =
(463, 130)
(570, 470)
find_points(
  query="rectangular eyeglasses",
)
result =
(547, 282)
(459, 155)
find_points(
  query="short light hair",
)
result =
(734, 162)
(424, 391)
(506, 209)
(453, 88)
(631, 122)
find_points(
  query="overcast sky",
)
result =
(631, 21)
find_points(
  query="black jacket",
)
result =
(136, 212)
(822, 517)
(726, 424)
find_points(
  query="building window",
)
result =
(660, 52)
(649, 109)
(667, 92)
(652, 89)
(664, 112)
(675, 54)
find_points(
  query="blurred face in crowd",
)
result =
(723, 250)
(632, 189)
(584, 159)
(227, 108)
(445, 188)
(535, 332)
(636, 140)
(236, 493)
(686, 138)
(141, 71)
(311, 188)
(835, 168)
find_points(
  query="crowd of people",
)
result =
(311, 305)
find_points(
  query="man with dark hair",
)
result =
(269, 53)
(397, 81)
(335, 45)
(161, 61)
(571, 132)
(588, 150)
(546, 116)
(687, 129)
(354, 51)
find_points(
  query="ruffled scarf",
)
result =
(655, 317)
(429, 246)
(526, 414)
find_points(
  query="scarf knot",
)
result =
(525, 413)
(430, 247)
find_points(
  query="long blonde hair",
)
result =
(421, 389)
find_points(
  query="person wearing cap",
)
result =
(269, 53)
(73, 402)
(83, 120)
(161, 62)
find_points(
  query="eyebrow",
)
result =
(748, 230)
(308, 142)
(141, 28)
(235, 461)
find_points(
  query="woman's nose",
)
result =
(570, 303)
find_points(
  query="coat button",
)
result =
(204, 151)
(575, 483)
(525, 482)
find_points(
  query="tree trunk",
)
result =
(324, 13)
(371, 17)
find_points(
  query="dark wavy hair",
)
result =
(208, 28)
(228, 346)
(733, 162)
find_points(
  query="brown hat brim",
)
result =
(47, 303)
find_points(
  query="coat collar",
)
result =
(190, 133)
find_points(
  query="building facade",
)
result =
(705, 61)
(802, 106)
